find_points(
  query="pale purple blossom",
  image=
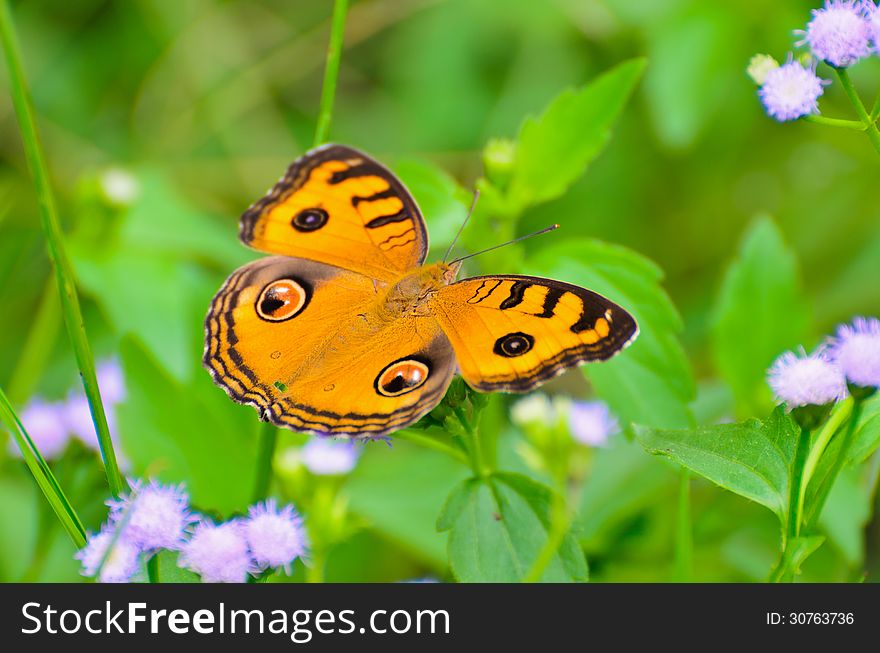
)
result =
(118, 565)
(45, 424)
(218, 553)
(328, 457)
(856, 350)
(804, 380)
(872, 14)
(275, 537)
(591, 422)
(838, 33)
(111, 381)
(791, 91)
(153, 516)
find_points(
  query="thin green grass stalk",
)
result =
(331, 71)
(684, 532)
(849, 89)
(64, 275)
(268, 437)
(44, 477)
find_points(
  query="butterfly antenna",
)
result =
(509, 242)
(461, 228)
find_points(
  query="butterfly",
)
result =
(346, 331)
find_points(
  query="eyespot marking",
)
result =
(281, 300)
(402, 376)
(309, 219)
(514, 344)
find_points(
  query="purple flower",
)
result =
(218, 553)
(275, 537)
(872, 13)
(839, 33)
(78, 419)
(328, 457)
(117, 566)
(591, 422)
(791, 91)
(856, 351)
(802, 380)
(155, 516)
(111, 381)
(45, 424)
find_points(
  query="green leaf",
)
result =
(752, 458)
(498, 526)
(651, 382)
(381, 492)
(554, 149)
(689, 45)
(150, 279)
(190, 433)
(624, 482)
(761, 311)
(867, 437)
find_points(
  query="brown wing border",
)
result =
(298, 171)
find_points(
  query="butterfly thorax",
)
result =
(411, 294)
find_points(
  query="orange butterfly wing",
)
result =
(512, 333)
(338, 206)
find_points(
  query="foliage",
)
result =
(729, 237)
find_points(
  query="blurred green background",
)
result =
(203, 104)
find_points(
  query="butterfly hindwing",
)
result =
(339, 206)
(512, 333)
(304, 343)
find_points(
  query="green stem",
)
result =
(857, 125)
(43, 475)
(55, 244)
(875, 110)
(153, 568)
(431, 443)
(560, 522)
(268, 439)
(331, 71)
(849, 89)
(839, 414)
(684, 537)
(784, 570)
(474, 447)
(838, 463)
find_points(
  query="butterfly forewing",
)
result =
(513, 333)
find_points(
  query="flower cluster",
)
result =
(51, 425)
(589, 422)
(154, 517)
(851, 356)
(841, 33)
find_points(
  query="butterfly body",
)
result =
(347, 332)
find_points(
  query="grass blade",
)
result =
(43, 475)
(63, 269)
